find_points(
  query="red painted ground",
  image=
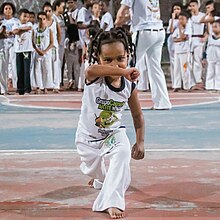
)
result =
(165, 186)
(72, 100)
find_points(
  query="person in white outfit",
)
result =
(106, 21)
(181, 37)
(3, 62)
(23, 48)
(100, 134)
(197, 45)
(173, 25)
(8, 10)
(42, 66)
(57, 35)
(150, 38)
(213, 58)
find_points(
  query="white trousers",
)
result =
(12, 70)
(56, 68)
(73, 66)
(197, 68)
(116, 179)
(150, 43)
(143, 81)
(42, 75)
(3, 72)
(213, 75)
(181, 71)
(171, 51)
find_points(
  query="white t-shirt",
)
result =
(146, 14)
(60, 21)
(175, 25)
(197, 27)
(85, 17)
(107, 19)
(213, 48)
(23, 42)
(102, 108)
(9, 25)
(53, 28)
(184, 46)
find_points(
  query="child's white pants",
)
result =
(116, 180)
(213, 75)
(181, 71)
(3, 72)
(197, 67)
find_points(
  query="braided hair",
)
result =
(108, 37)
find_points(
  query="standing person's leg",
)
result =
(12, 72)
(210, 76)
(184, 70)
(56, 70)
(217, 75)
(171, 51)
(76, 69)
(197, 64)
(157, 80)
(177, 73)
(143, 82)
(62, 63)
(20, 73)
(27, 71)
(118, 177)
(69, 63)
(3, 73)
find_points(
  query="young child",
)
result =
(8, 10)
(23, 48)
(3, 61)
(173, 24)
(198, 30)
(101, 134)
(213, 58)
(107, 21)
(181, 56)
(57, 35)
(42, 42)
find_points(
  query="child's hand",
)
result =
(40, 52)
(132, 74)
(137, 151)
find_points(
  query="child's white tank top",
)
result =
(42, 38)
(213, 49)
(102, 108)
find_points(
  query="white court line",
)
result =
(66, 151)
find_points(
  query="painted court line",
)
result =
(66, 151)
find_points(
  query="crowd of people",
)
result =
(194, 47)
(36, 50)
(39, 51)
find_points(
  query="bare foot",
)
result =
(90, 183)
(115, 213)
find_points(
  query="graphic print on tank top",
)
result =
(154, 7)
(108, 116)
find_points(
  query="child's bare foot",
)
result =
(115, 213)
(90, 183)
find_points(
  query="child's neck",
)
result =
(217, 35)
(116, 82)
(195, 13)
(8, 17)
(23, 22)
(41, 28)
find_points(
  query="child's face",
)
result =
(24, 18)
(114, 54)
(176, 10)
(105, 7)
(194, 7)
(95, 9)
(61, 8)
(216, 28)
(42, 20)
(183, 20)
(48, 11)
(8, 11)
(32, 18)
(209, 8)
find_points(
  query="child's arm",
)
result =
(137, 152)
(95, 71)
(21, 30)
(59, 34)
(51, 43)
